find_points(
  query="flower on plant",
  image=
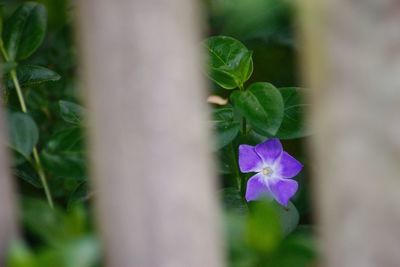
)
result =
(274, 168)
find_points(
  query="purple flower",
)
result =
(274, 169)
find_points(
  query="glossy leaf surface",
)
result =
(293, 118)
(24, 31)
(230, 62)
(226, 126)
(262, 105)
(24, 133)
(71, 112)
(29, 75)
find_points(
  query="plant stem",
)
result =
(38, 163)
(3, 51)
(244, 123)
(19, 90)
(42, 177)
(235, 167)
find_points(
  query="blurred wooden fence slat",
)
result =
(151, 164)
(352, 50)
(7, 201)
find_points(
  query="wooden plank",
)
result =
(8, 223)
(352, 59)
(151, 162)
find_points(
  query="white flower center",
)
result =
(267, 171)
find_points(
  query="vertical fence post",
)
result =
(352, 52)
(151, 164)
(7, 202)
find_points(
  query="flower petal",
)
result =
(249, 161)
(270, 150)
(282, 189)
(288, 166)
(257, 188)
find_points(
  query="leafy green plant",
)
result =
(44, 158)
(21, 36)
(265, 109)
(46, 135)
(255, 113)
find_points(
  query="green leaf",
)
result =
(289, 217)
(298, 249)
(26, 173)
(65, 164)
(262, 105)
(51, 225)
(44, 222)
(29, 75)
(24, 133)
(79, 194)
(63, 155)
(230, 63)
(264, 230)
(82, 252)
(68, 140)
(71, 112)
(240, 254)
(233, 201)
(225, 125)
(293, 119)
(225, 160)
(24, 31)
(223, 78)
(20, 255)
